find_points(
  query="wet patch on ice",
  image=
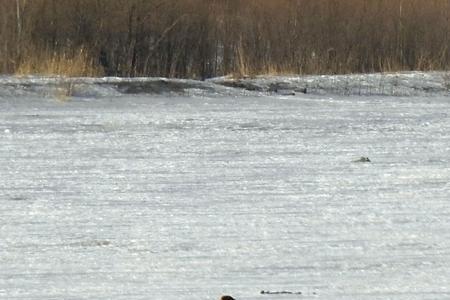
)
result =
(18, 198)
(90, 243)
(280, 293)
(249, 126)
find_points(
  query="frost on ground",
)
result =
(120, 193)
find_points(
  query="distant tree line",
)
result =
(205, 38)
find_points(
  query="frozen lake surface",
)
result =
(112, 195)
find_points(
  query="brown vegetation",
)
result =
(204, 38)
(70, 62)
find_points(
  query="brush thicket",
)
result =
(203, 38)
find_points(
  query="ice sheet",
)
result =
(138, 196)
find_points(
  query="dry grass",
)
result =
(67, 63)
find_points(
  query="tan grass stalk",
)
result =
(67, 62)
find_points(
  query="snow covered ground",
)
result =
(389, 84)
(175, 189)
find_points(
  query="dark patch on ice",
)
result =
(34, 117)
(280, 293)
(91, 128)
(93, 243)
(249, 127)
(18, 198)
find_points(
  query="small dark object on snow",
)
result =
(362, 159)
(226, 297)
